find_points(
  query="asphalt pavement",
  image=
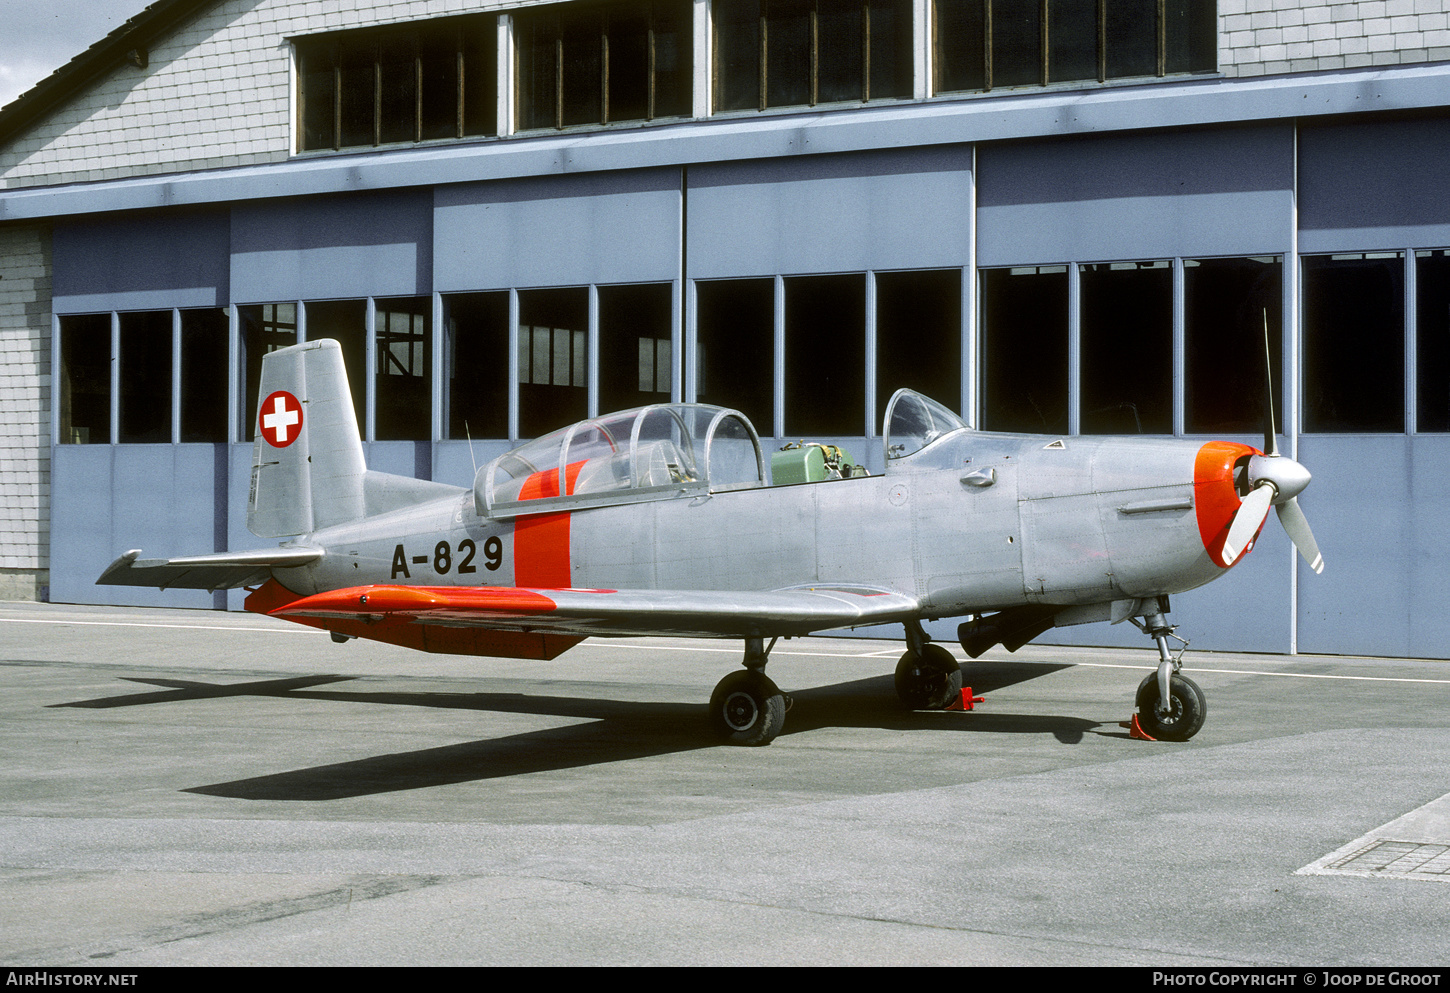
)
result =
(203, 788)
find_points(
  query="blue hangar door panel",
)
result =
(1222, 192)
(853, 212)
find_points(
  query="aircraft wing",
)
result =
(585, 613)
(220, 571)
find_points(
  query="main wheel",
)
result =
(747, 708)
(1185, 714)
(930, 680)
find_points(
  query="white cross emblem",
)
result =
(280, 413)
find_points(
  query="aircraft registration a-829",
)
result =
(665, 520)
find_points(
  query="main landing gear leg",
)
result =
(1171, 707)
(746, 707)
(927, 677)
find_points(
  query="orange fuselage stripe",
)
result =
(541, 541)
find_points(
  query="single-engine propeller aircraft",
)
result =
(664, 521)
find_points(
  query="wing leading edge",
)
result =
(584, 613)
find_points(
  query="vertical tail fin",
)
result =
(307, 461)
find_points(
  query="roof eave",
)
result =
(102, 57)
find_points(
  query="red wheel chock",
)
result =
(1135, 730)
(968, 702)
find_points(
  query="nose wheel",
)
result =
(1171, 707)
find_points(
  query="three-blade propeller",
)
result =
(1274, 481)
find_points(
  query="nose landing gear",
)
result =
(1171, 707)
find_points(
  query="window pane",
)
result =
(891, 48)
(1354, 342)
(404, 401)
(477, 327)
(398, 89)
(1191, 32)
(1072, 40)
(825, 355)
(634, 345)
(629, 64)
(838, 30)
(1016, 42)
(553, 377)
(1131, 33)
(735, 336)
(438, 60)
(959, 61)
(85, 379)
(583, 84)
(673, 47)
(264, 328)
(1127, 348)
(1432, 310)
(537, 39)
(145, 377)
(788, 53)
(1024, 355)
(358, 80)
(737, 55)
(345, 321)
(204, 375)
(919, 336)
(480, 77)
(1226, 302)
(319, 95)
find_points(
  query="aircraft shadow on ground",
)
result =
(615, 731)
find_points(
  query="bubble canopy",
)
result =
(660, 452)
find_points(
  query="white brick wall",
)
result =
(1260, 37)
(216, 93)
(24, 410)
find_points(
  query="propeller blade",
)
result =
(1247, 521)
(1271, 444)
(1297, 527)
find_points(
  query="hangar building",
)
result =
(1063, 216)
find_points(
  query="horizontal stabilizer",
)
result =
(220, 571)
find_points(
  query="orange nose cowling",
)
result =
(1215, 499)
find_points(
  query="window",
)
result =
(1226, 305)
(919, 335)
(635, 355)
(735, 347)
(145, 377)
(1024, 351)
(603, 63)
(825, 355)
(204, 375)
(404, 83)
(346, 322)
(264, 328)
(1432, 338)
(791, 53)
(553, 359)
(985, 44)
(477, 336)
(1354, 342)
(404, 398)
(1127, 348)
(85, 379)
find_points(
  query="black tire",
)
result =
(747, 708)
(929, 681)
(1188, 710)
